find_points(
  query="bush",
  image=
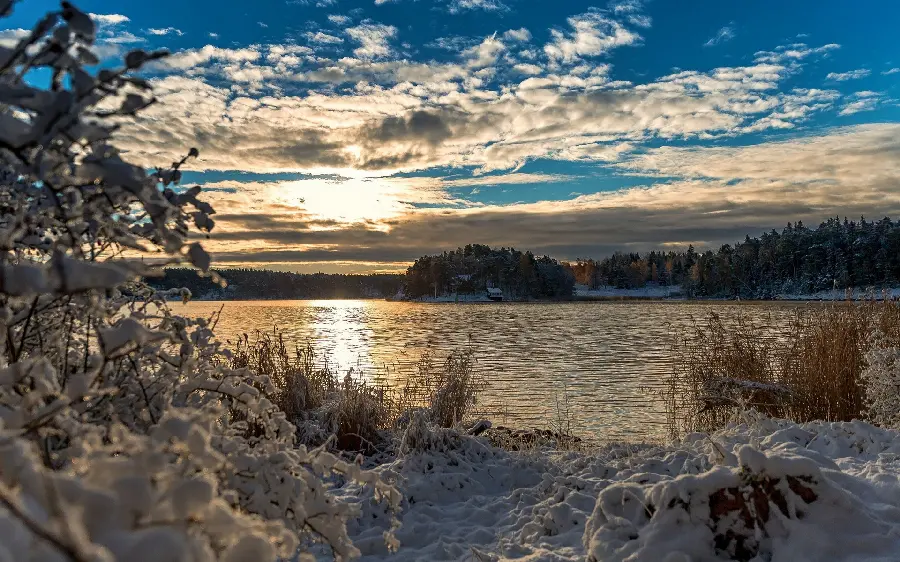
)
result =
(812, 368)
(125, 434)
(350, 413)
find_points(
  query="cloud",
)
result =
(262, 24)
(322, 38)
(456, 6)
(891, 71)
(122, 38)
(794, 53)
(849, 75)
(339, 19)
(519, 35)
(373, 39)
(717, 196)
(169, 31)
(591, 34)
(531, 69)
(724, 34)
(213, 35)
(393, 115)
(10, 37)
(109, 19)
(862, 101)
(195, 57)
(485, 53)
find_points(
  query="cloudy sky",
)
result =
(342, 135)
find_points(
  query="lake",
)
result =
(607, 359)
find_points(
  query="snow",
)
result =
(769, 489)
(842, 294)
(648, 292)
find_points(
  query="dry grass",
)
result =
(808, 369)
(349, 411)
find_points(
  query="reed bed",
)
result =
(806, 369)
(354, 411)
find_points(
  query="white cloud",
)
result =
(485, 53)
(195, 57)
(530, 69)
(487, 5)
(865, 100)
(723, 35)
(123, 38)
(167, 31)
(213, 35)
(373, 39)
(520, 35)
(10, 37)
(592, 34)
(792, 54)
(109, 19)
(262, 24)
(849, 75)
(891, 71)
(339, 19)
(322, 38)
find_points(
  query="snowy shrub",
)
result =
(124, 435)
(881, 378)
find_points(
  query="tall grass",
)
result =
(351, 411)
(806, 369)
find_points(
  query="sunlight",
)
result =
(346, 200)
(343, 327)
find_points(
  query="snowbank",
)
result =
(765, 490)
(649, 292)
(841, 294)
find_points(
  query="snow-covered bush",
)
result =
(881, 378)
(124, 435)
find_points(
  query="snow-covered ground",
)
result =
(764, 490)
(840, 294)
(648, 292)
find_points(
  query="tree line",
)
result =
(838, 254)
(470, 270)
(251, 284)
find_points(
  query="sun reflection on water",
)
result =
(343, 326)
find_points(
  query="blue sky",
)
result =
(344, 135)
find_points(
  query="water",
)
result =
(607, 360)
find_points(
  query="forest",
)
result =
(838, 254)
(469, 270)
(252, 284)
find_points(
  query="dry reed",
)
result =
(808, 369)
(351, 412)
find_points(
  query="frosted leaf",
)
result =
(80, 22)
(249, 548)
(191, 498)
(127, 332)
(75, 275)
(23, 279)
(199, 257)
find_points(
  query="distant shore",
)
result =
(603, 295)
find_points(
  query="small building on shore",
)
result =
(495, 293)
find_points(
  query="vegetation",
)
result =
(249, 284)
(835, 255)
(351, 413)
(817, 367)
(125, 434)
(470, 270)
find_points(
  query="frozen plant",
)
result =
(123, 436)
(881, 378)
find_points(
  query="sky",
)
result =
(356, 136)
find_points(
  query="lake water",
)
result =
(609, 359)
